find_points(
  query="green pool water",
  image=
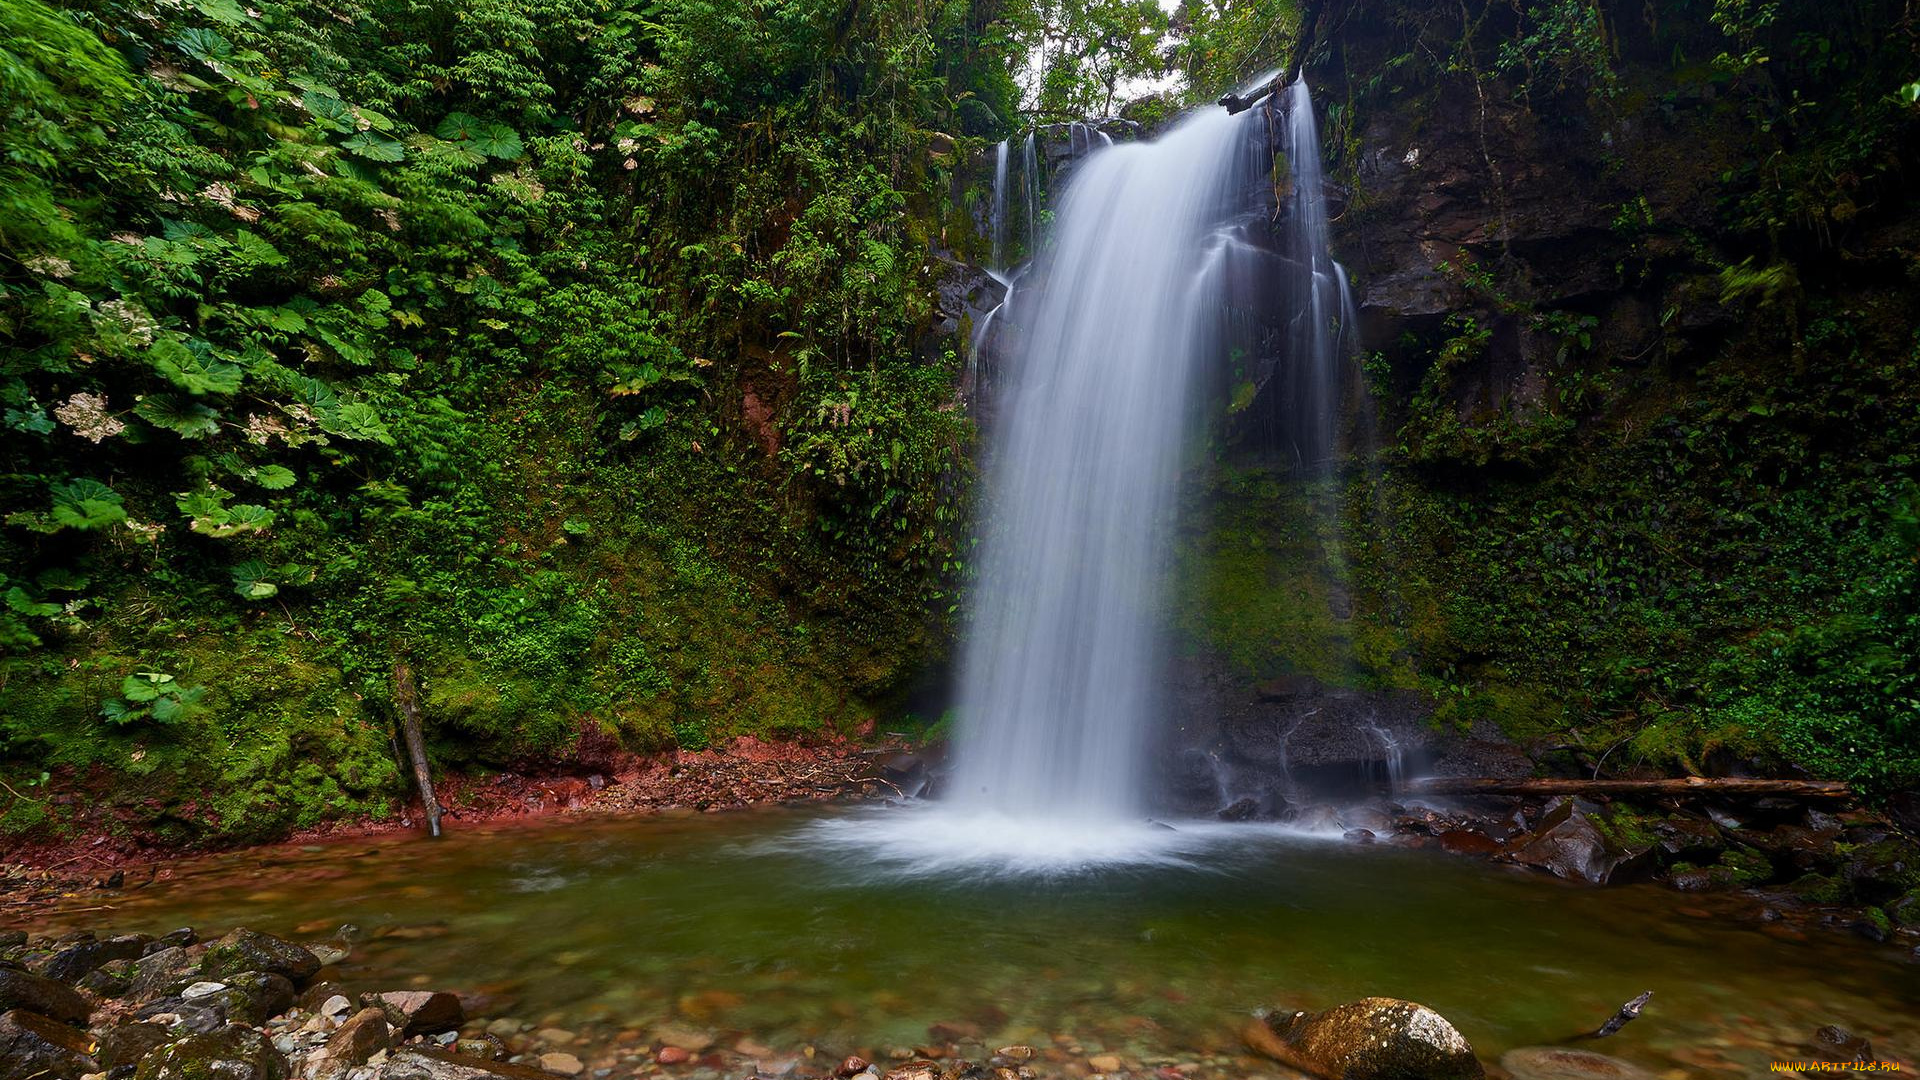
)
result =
(743, 924)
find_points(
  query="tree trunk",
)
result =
(407, 700)
(1683, 786)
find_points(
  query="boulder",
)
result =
(1561, 1063)
(422, 1063)
(1567, 844)
(251, 950)
(71, 964)
(1881, 871)
(418, 1012)
(20, 989)
(1371, 1039)
(123, 1045)
(33, 1047)
(160, 973)
(363, 1035)
(251, 997)
(173, 939)
(110, 980)
(233, 1052)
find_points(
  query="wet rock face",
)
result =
(1569, 845)
(1372, 1039)
(33, 1047)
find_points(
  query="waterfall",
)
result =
(1061, 672)
(1158, 269)
(999, 222)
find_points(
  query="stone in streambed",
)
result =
(159, 973)
(1561, 1063)
(122, 1046)
(72, 963)
(484, 1046)
(230, 1053)
(20, 989)
(562, 1064)
(418, 1012)
(251, 950)
(1568, 845)
(431, 1063)
(32, 1046)
(364, 1034)
(1371, 1039)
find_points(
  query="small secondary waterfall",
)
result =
(1322, 325)
(999, 207)
(1061, 673)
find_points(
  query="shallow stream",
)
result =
(776, 927)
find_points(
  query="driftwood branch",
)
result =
(1682, 786)
(407, 700)
(1628, 1012)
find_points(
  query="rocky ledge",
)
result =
(1795, 866)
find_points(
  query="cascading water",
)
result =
(999, 224)
(1123, 311)
(1061, 671)
(1322, 305)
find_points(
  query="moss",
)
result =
(1745, 866)
(1261, 581)
(1820, 889)
(1628, 829)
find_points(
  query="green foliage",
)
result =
(155, 695)
(425, 330)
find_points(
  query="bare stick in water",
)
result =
(1628, 1012)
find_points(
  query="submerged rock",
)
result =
(419, 1063)
(33, 1047)
(1561, 1063)
(1374, 1038)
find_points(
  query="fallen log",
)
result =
(407, 699)
(1679, 785)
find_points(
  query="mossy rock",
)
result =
(246, 950)
(231, 1053)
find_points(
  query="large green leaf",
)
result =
(358, 421)
(183, 416)
(495, 139)
(86, 504)
(458, 127)
(273, 477)
(195, 370)
(250, 580)
(375, 147)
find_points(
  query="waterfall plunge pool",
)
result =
(778, 929)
